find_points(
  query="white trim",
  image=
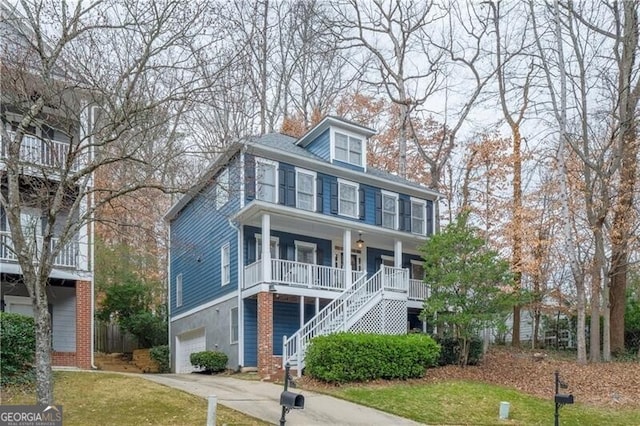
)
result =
(231, 341)
(260, 160)
(242, 179)
(205, 306)
(423, 203)
(396, 197)
(18, 300)
(357, 199)
(314, 188)
(225, 260)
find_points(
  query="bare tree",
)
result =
(112, 78)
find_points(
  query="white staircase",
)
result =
(362, 307)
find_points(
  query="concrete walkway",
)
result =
(262, 399)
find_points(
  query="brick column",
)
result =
(265, 335)
(83, 324)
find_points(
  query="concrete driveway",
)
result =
(262, 399)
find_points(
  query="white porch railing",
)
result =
(41, 151)
(298, 274)
(342, 311)
(418, 290)
(67, 257)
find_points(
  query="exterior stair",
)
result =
(116, 362)
(347, 311)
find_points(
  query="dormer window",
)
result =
(348, 148)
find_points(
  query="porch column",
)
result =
(317, 305)
(301, 311)
(83, 324)
(266, 364)
(397, 254)
(346, 257)
(266, 248)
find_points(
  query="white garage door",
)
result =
(186, 344)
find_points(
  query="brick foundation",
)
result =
(63, 359)
(83, 325)
(266, 367)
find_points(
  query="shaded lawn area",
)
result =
(473, 403)
(113, 399)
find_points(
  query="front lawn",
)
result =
(113, 399)
(473, 403)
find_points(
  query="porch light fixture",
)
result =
(272, 288)
(360, 242)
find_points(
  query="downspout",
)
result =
(240, 264)
(93, 259)
(169, 339)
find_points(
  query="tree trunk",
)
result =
(594, 328)
(516, 259)
(44, 384)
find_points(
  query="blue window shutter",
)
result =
(429, 217)
(251, 250)
(361, 196)
(250, 176)
(290, 187)
(319, 198)
(401, 215)
(334, 197)
(282, 186)
(378, 208)
(406, 218)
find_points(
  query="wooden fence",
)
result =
(110, 339)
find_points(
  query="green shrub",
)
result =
(17, 348)
(450, 352)
(353, 357)
(161, 355)
(210, 361)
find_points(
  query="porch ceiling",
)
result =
(318, 225)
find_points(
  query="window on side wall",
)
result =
(348, 149)
(418, 216)
(225, 264)
(273, 247)
(305, 190)
(222, 189)
(179, 290)
(347, 199)
(266, 180)
(235, 329)
(389, 210)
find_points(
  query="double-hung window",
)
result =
(347, 198)
(266, 180)
(235, 329)
(179, 290)
(418, 216)
(348, 149)
(390, 210)
(222, 189)
(273, 247)
(225, 264)
(305, 190)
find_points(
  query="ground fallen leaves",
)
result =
(612, 384)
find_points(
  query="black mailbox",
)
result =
(564, 399)
(292, 400)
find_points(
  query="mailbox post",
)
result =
(560, 399)
(289, 400)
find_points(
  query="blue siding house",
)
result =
(284, 239)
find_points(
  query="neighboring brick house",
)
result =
(313, 199)
(42, 156)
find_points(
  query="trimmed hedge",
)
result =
(450, 352)
(17, 348)
(160, 354)
(356, 357)
(210, 361)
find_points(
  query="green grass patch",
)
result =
(113, 399)
(472, 403)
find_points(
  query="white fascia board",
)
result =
(207, 305)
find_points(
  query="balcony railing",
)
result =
(418, 290)
(67, 257)
(41, 152)
(297, 274)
